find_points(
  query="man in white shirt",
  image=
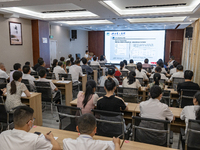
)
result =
(3, 73)
(59, 69)
(131, 63)
(16, 67)
(26, 75)
(179, 73)
(173, 70)
(95, 62)
(87, 129)
(76, 71)
(20, 139)
(158, 70)
(56, 93)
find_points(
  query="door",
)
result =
(176, 50)
(53, 50)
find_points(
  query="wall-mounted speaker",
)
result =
(189, 32)
(74, 34)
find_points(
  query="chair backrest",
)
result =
(130, 68)
(35, 74)
(5, 116)
(94, 67)
(68, 117)
(193, 135)
(50, 76)
(151, 80)
(176, 81)
(109, 123)
(100, 91)
(166, 97)
(124, 73)
(103, 64)
(187, 96)
(26, 82)
(141, 81)
(84, 71)
(151, 131)
(3, 83)
(128, 94)
(148, 69)
(65, 76)
(45, 89)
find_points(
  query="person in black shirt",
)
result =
(188, 84)
(86, 67)
(42, 66)
(110, 102)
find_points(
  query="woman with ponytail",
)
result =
(156, 78)
(140, 73)
(14, 91)
(122, 67)
(88, 100)
(131, 81)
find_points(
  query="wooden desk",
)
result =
(66, 89)
(35, 102)
(62, 134)
(84, 81)
(174, 94)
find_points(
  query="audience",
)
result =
(31, 79)
(86, 54)
(173, 70)
(55, 63)
(42, 66)
(156, 78)
(131, 81)
(122, 67)
(29, 64)
(88, 69)
(16, 67)
(95, 62)
(14, 91)
(188, 84)
(37, 65)
(110, 102)
(131, 63)
(111, 72)
(3, 73)
(87, 127)
(146, 64)
(19, 138)
(179, 73)
(158, 70)
(87, 100)
(56, 93)
(140, 73)
(59, 69)
(76, 71)
(68, 64)
(103, 59)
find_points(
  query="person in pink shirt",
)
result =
(146, 64)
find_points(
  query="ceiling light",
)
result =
(85, 22)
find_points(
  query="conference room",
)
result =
(99, 74)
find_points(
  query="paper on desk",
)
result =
(42, 136)
(63, 81)
(120, 85)
(24, 95)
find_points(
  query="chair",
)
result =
(186, 97)
(148, 69)
(130, 68)
(191, 139)
(35, 74)
(84, 71)
(68, 117)
(176, 81)
(100, 91)
(3, 83)
(128, 94)
(141, 81)
(103, 64)
(50, 76)
(109, 123)
(124, 73)
(152, 131)
(78, 56)
(65, 76)
(151, 80)
(94, 67)
(26, 82)
(166, 97)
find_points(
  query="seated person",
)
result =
(20, 139)
(161, 64)
(156, 78)
(95, 62)
(158, 70)
(16, 67)
(86, 54)
(3, 73)
(68, 64)
(59, 69)
(87, 100)
(125, 62)
(14, 91)
(173, 70)
(117, 71)
(140, 73)
(131, 63)
(56, 93)
(29, 64)
(102, 59)
(87, 127)
(122, 67)
(31, 79)
(72, 60)
(76, 71)
(55, 63)
(146, 64)
(188, 84)
(171, 61)
(62, 59)
(131, 81)
(110, 102)
(37, 65)
(88, 69)
(154, 109)
(42, 66)
(179, 73)
(111, 72)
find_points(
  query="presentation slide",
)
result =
(136, 45)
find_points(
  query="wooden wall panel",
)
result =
(35, 41)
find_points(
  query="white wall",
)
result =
(10, 54)
(64, 46)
